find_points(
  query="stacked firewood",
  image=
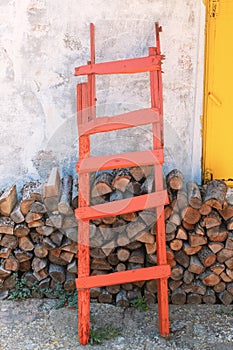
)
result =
(38, 236)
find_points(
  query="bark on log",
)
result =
(209, 278)
(121, 179)
(105, 297)
(57, 273)
(25, 244)
(224, 255)
(9, 241)
(217, 234)
(196, 266)
(102, 185)
(215, 194)
(16, 214)
(31, 192)
(225, 297)
(191, 250)
(175, 180)
(64, 205)
(21, 230)
(196, 240)
(178, 297)
(6, 225)
(209, 297)
(69, 283)
(194, 195)
(182, 258)
(52, 184)
(194, 298)
(122, 299)
(191, 215)
(206, 256)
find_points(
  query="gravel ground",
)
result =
(35, 325)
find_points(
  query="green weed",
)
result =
(140, 303)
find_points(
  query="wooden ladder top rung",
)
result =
(123, 160)
(123, 206)
(129, 276)
(121, 121)
(128, 66)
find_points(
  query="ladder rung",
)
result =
(123, 160)
(132, 65)
(122, 121)
(129, 276)
(123, 206)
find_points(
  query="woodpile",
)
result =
(38, 236)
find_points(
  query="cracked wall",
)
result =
(43, 40)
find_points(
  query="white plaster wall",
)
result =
(41, 41)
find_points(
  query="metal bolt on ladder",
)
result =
(88, 124)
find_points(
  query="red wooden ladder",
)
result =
(88, 124)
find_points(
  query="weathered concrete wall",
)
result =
(43, 40)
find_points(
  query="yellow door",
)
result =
(218, 101)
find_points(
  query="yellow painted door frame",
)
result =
(218, 92)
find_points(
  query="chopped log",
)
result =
(69, 221)
(229, 273)
(145, 237)
(173, 285)
(181, 201)
(70, 247)
(45, 230)
(52, 184)
(227, 212)
(123, 254)
(176, 245)
(56, 237)
(229, 241)
(113, 259)
(107, 232)
(8, 200)
(139, 173)
(100, 264)
(194, 298)
(9, 241)
(22, 256)
(209, 278)
(64, 205)
(136, 257)
(57, 273)
(102, 185)
(21, 230)
(187, 226)
(31, 192)
(25, 265)
(25, 244)
(206, 256)
(196, 240)
(224, 255)
(209, 297)
(40, 251)
(113, 289)
(134, 188)
(105, 297)
(39, 264)
(148, 185)
(178, 297)
(30, 217)
(194, 195)
(38, 207)
(148, 217)
(217, 234)
(54, 220)
(122, 299)
(8, 283)
(120, 267)
(211, 220)
(195, 265)
(230, 287)
(150, 297)
(174, 218)
(55, 257)
(6, 225)
(182, 234)
(225, 277)
(215, 247)
(229, 263)
(182, 258)
(121, 179)
(66, 256)
(177, 273)
(69, 283)
(48, 244)
(215, 194)
(97, 253)
(151, 259)
(167, 212)
(108, 247)
(4, 253)
(127, 286)
(230, 224)
(16, 214)
(170, 231)
(175, 179)
(225, 297)
(191, 250)
(200, 230)
(109, 220)
(205, 209)
(151, 286)
(220, 287)
(72, 267)
(114, 196)
(51, 203)
(133, 245)
(95, 292)
(195, 287)
(150, 248)
(4, 273)
(191, 215)
(217, 268)
(188, 277)
(134, 228)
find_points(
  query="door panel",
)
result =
(218, 102)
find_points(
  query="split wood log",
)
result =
(215, 247)
(196, 266)
(122, 299)
(36, 223)
(217, 234)
(9, 241)
(191, 215)
(107, 232)
(4, 273)
(205, 209)
(211, 220)
(16, 214)
(108, 247)
(229, 273)
(193, 298)
(217, 268)
(215, 194)
(113, 259)
(22, 256)
(6, 225)
(100, 264)
(220, 287)
(133, 245)
(187, 226)
(121, 179)
(69, 283)
(229, 263)
(230, 224)
(51, 203)
(26, 244)
(224, 255)
(95, 292)
(150, 248)
(229, 241)
(45, 230)
(52, 184)
(74, 199)
(105, 297)
(194, 195)
(182, 234)
(30, 217)
(148, 217)
(134, 228)
(21, 230)
(206, 256)
(191, 250)
(64, 205)
(4, 253)
(182, 258)
(175, 179)
(227, 212)
(225, 297)
(139, 173)
(167, 212)
(55, 256)
(31, 192)
(145, 237)
(39, 264)
(102, 185)
(68, 222)
(97, 253)
(55, 220)
(123, 254)
(134, 188)
(225, 277)
(148, 185)
(25, 265)
(114, 289)
(176, 245)
(127, 286)
(57, 273)
(178, 297)
(40, 251)
(173, 285)
(209, 297)
(209, 278)
(196, 240)
(188, 277)
(150, 297)
(48, 244)
(170, 231)
(230, 288)
(120, 267)
(8, 200)
(177, 273)
(137, 257)
(109, 220)
(38, 207)
(72, 267)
